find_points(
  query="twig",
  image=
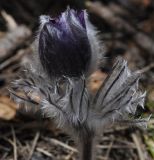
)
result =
(31, 125)
(147, 68)
(45, 152)
(69, 156)
(109, 149)
(4, 156)
(14, 144)
(138, 146)
(115, 129)
(34, 145)
(118, 10)
(4, 148)
(12, 40)
(57, 142)
(11, 23)
(115, 146)
(15, 58)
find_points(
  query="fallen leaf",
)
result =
(7, 108)
(96, 80)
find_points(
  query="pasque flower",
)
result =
(64, 44)
(68, 51)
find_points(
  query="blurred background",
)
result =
(126, 29)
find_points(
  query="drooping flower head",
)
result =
(64, 44)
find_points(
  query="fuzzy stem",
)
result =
(86, 147)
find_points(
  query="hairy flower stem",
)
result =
(86, 146)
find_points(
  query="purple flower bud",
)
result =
(64, 47)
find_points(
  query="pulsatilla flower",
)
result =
(64, 44)
(68, 50)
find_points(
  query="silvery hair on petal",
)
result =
(70, 40)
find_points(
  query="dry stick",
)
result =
(138, 146)
(4, 156)
(116, 129)
(4, 148)
(57, 142)
(12, 40)
(31, 125)
(15, 58)
(109, 16)
(45, 153)
(109, 149)
(123, 142)
(34, 145)
(147, 68)
(11, 23)
(101, 158)
(14, 144)
(115, 146)
(69, 156)
(118, 10)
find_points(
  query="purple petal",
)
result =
(64, 47)
(81, 17)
